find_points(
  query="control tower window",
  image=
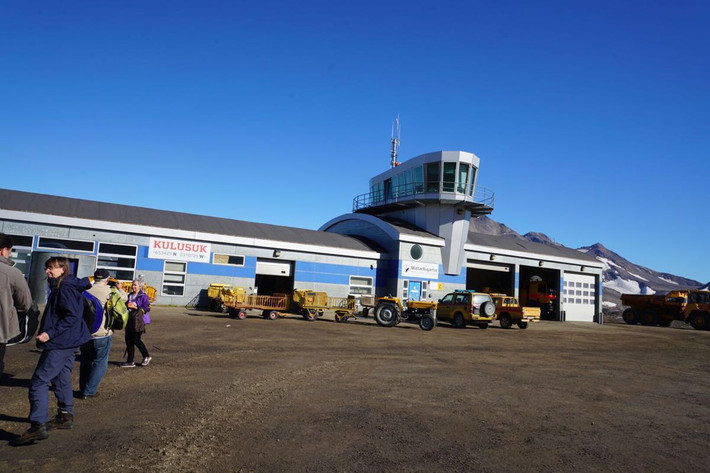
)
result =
(463, 178)
(449, 177)
(432, 177)
(418, 180)
(472, 182)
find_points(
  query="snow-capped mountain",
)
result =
(620, 275)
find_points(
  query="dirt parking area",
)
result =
(292, 395)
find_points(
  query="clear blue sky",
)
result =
(590, 118)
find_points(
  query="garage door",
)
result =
(273, 268)
(579, 294)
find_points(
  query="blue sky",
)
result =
(590, 118)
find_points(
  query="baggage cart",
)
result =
(271, 306)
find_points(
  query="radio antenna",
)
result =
(395, 142)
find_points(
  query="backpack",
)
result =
(29, 321)
(116, 312)
(93, 312)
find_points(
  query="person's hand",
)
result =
(43, 337)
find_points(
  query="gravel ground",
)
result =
(292, 395)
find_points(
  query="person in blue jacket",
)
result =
(61, 332)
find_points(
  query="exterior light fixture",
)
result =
(540, 263)
(277, 253)
(493, 257)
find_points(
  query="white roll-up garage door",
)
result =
(579, 293)
(273, 268)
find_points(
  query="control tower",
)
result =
(436, 192)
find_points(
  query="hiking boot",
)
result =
(36, 432)
(63, 420)
(127, 364)
(146, 360)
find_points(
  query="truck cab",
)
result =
(462, 308)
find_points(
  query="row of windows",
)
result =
(578, 284)
(429, 178)
(577, 300)
(578, 292)
(120, 262)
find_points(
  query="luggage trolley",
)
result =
(271, 306)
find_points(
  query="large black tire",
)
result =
(699, 320)
(506, 321)
(523, 325)
(483, 325)
(488, 309)
(459, 321)
(309, 314)
(271, 314)
(630, 316)
(427, 322)
(649, 318)
(241, 314)
(386, 314)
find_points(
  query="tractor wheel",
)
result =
(386, 315)
(649, 318)
(699, 320)
(488, 309)
(630, 316)
(241, 314)
(483, 325)
(340, 317)
(427, 322)
(459, 321)
(309, 314)
(271, 314)
(523, 325)
(506, 321)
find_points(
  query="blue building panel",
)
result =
(328, 273)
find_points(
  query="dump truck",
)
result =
(538, 293)
(687, 305)
(509, 312)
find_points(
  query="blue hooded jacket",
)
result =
(63, 315)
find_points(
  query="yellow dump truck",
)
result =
(687, 305)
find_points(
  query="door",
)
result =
(415, 290)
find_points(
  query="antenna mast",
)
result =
(395, 142)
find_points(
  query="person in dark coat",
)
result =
(62, 331)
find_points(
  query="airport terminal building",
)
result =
(408, 236)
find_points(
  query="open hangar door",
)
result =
(274, 277)
(487, 277)
(539, 287)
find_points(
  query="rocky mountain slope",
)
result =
(620, 275)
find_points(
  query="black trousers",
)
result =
(133, 340)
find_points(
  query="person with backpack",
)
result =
(94, 353)
(62, 331)
(15, 297)
(139, 307)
